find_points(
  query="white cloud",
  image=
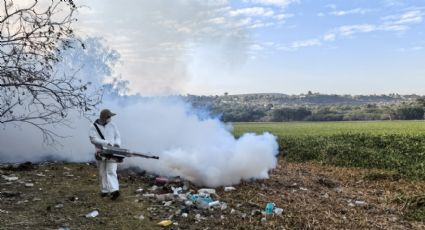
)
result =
(401, 22)
(219, 20)
(329, 37)
(391, 27)
(261, 25)
(281, 17)
(296, 45)
(353, 29)
(279, 3)
(305, 43)
(245, 22)
(352, 11)
(398, 22)
(320, 14)
(253, 11)
(409, 17)
(258, 17)
(393, 2)
(256, 47)
(219, 2)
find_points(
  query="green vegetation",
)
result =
(330, 128)
(398, 147)
(311, 107)
(413, 206)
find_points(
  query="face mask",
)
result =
(108, 120)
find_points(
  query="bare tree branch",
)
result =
(32, 39)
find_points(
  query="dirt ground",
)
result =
(313, 196)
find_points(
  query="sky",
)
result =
(210, 47)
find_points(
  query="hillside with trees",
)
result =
(311, 107)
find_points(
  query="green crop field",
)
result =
(395, 146)
(330, 128)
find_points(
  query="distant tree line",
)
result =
(252, 108)
(334, 113)
(348, 114)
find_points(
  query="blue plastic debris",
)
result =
(201, 200)
(269, 208)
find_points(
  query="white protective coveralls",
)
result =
(107, 168)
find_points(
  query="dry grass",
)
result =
(312, 196)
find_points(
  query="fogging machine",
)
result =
(116, 152)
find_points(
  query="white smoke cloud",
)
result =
(22, 142)
(203, 151)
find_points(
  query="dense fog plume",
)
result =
(202, 150)
(25, 143)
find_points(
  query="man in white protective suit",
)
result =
(104, 132)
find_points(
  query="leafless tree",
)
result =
(32, 37)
